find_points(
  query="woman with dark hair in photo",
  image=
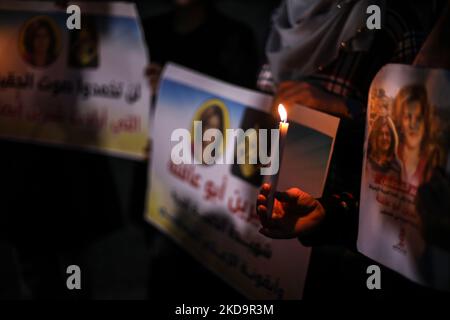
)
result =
(412, 113)
(212, 118)
(382, 146)
(40, 43)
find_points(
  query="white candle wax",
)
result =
(283, 127)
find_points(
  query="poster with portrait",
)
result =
(83, 88)
(209, 208)
(407, 137)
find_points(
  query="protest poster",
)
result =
(406, 138)
(83, 88)
(209, 209)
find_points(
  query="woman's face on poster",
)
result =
(384, 139)
(41, 41)
(413, 124)
(213, 121)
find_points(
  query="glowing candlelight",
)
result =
(282, 112)
(283, 127)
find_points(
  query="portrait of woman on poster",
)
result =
(382, 147)
(39, 47)
(412, 112)
(213, 115)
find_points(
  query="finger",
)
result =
(268, 219)
(347, 197)
(303, 202)
(262, 213)
(290, 199)
(265, 189)
(305, 199)
(263, 216)
(261, 200)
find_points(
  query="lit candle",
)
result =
(283, 128)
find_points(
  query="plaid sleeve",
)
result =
(408, 36)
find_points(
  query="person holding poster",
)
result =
(326, 84)
(313, 83)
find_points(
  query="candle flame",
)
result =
(282, 112)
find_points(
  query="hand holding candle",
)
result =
(278, 155)
(294, 213)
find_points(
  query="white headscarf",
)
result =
(308, 34)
